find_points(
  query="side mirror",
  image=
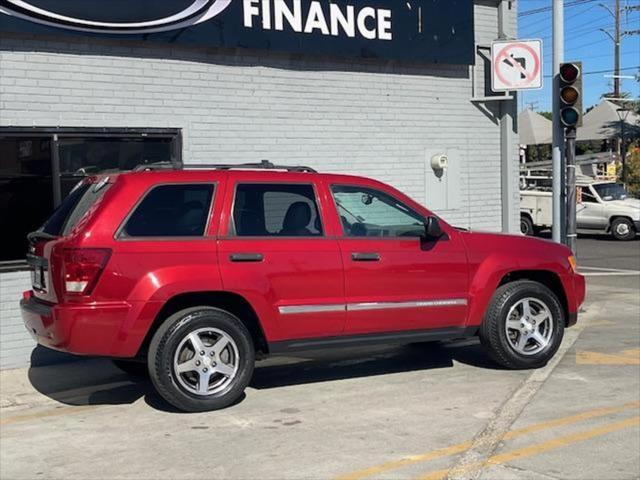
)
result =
(432, 228)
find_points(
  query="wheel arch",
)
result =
(228, 301)
(545, 277)
(613, 218)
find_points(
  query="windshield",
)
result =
(611, 191)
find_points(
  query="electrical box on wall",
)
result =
(442, 179)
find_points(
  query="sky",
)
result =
(583, 41)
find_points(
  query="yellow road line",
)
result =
(461, 447)
(626, 357)
(46, 413)
(534, 449)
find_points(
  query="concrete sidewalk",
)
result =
(419, 411)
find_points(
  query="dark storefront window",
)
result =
(39, 167)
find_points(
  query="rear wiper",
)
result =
(40, 235)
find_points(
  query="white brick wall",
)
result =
(15, 343)
(338, 115)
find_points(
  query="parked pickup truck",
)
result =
(603, 207)
(195, 273)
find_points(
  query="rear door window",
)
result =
(178, 210)
(74, 207)
(276, 210)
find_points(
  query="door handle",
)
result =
(365, 257)
(246, 257)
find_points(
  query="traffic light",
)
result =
(571, 94)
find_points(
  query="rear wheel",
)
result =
(526, 225)
(623, 229)
(523, 326)
(201, 359)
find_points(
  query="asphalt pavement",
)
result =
(418, 412)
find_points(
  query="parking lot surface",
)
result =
(424, 411)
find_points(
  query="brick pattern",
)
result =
(337, 115)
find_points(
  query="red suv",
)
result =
(198, 271)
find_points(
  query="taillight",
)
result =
(82, 268)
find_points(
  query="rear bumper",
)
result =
(78, 329)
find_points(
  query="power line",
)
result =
(549, 8)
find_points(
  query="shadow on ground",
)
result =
(100, 382)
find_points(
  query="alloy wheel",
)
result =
(206, 361)
(529, 326)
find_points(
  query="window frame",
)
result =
(231, 227)
(54, 135)
(121, 235)
(366, 187)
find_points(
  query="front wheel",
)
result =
(201, 359)
(524, 325)
(623, 229)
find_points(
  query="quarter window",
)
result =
(278, 210)
(178, 210)
(365, 212)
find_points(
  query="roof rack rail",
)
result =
(145, 167)
(263, 165)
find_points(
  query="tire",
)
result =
(505, 325)
(228, 359)
(132, 367)
(526, 226)
(623, 229)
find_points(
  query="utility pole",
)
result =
(558, 133)
(616, 53)
(615, 38)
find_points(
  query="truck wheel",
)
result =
(132, 367)
(523, 326)
(623, 229)
(526, 225)
(201, 359)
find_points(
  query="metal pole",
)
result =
(616, 53)
(623, 152)
(558, 134)
(571, 188)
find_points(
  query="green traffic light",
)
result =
(569, 117)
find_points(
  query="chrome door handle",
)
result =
(246, 257)
(365, 257)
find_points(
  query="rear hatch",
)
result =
(46, 276)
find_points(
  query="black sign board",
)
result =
(438, 31)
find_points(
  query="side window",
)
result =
(279, 210)
(179, 210)
(587, 196)
(365, 212)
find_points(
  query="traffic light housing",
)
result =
(571, 94)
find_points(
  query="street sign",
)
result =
(516, 65)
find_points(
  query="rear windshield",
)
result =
(73, 208)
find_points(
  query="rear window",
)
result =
(74, 207)
(171, 211)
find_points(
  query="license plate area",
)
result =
(39, 268)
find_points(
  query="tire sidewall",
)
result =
(616, 235)
(528, 226)
(167, 340)
(535, 291)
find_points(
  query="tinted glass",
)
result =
(366, 212)
(74, 207)
(26, 192)
(172, 211)
(276, 210)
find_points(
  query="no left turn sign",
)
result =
(516, 65)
